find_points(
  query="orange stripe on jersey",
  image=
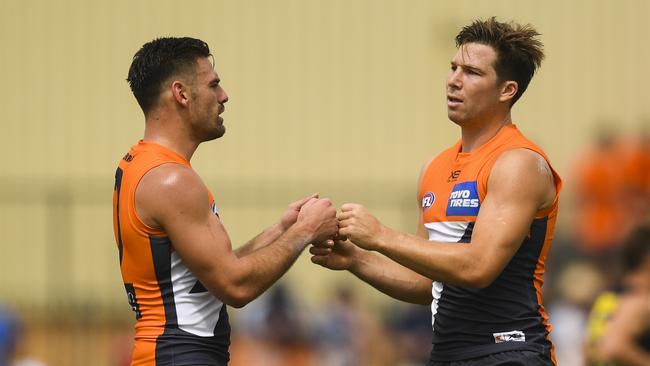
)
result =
(539, 281)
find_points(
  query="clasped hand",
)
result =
(360, 226)
(357, 229)
(335, 239)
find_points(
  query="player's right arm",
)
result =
(173, 198)
(380, 272)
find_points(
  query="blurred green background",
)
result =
(344, 98)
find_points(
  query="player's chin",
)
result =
(455, 117)
(220, 131)
(215, 133)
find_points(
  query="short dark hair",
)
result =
(157, 61)
(519, 52)
(635, 248)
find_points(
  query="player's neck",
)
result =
(477, 134)
(170, 133)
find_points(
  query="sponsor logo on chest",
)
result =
(463, 200)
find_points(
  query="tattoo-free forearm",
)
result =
(391, 278)
(263, 239)
(257, 271)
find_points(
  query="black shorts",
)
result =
(508, 358)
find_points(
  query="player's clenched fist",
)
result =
(319, 216)
(360, 226)
(291, 214)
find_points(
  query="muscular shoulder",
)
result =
(168, 190)
(524, 160)
(523, 171)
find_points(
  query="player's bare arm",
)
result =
(384, 274)
(202, 242)
(520, 184)
(272, 233)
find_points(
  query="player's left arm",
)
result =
(273, 232)
(520, 184)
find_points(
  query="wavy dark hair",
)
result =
(157, 61)
(519, 51)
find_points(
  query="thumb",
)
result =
(349, 207)
(321, 260)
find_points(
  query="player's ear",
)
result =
(508, 90)
(180, 93)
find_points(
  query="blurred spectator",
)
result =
(412, 333)
(636, 172)
(596, 187)
(348, 335)
(11, 335)
(619, 324)
(273, 332)
(570, 308)
(611, 186)
(9, 329)
(338, 331)
(282, 323)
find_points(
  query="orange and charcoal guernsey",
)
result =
(178, 322)
(508, 314)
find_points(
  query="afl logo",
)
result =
(427, 200)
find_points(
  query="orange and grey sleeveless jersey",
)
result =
(508, 314)
(178, 321)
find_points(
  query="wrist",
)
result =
(383, 239)
(355, 259)
(361, 261)
(302, 232)
(281, 227)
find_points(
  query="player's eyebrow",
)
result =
(473, 68)
(468, 67)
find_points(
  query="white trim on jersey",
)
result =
(197, 313)
(444, 232)
(436, 292)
